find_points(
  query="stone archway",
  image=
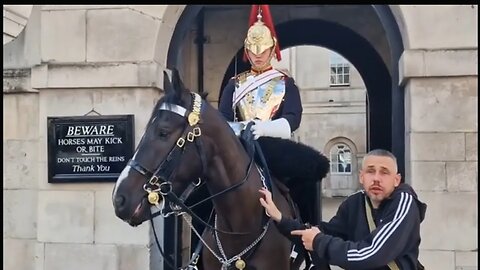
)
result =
(380, 72)
(382, 55)
(364, 57)
(375, 55)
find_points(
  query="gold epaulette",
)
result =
(242, 77)
(284, 71)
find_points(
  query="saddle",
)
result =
(296, 165)
(289, 160)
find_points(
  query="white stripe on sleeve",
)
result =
(385, 232)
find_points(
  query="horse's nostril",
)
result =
(119, 201)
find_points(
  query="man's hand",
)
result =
(269, 205)
(307, 236)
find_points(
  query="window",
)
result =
(339, 70)
(340, 159)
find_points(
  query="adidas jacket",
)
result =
(346, 240)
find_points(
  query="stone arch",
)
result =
(389, 125)
(398, 15)
(15, 18)
(24, 51)
(379, 73)
(168, 37)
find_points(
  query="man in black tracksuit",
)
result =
(390, 240)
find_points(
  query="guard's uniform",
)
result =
(250, 96)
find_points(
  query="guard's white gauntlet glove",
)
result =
(279, 128)
(238, 127)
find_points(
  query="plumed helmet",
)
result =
(261, 34)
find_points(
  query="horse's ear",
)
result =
(167, 82)
(177, 81)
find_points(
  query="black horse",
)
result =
(188, 142)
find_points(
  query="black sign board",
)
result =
(89, 148)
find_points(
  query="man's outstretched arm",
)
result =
(385, 243)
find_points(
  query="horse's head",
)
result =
(167, 158)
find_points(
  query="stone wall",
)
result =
(55, 226)
(439, 70)
(72, 59)
(93, 58)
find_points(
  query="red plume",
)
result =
(253, 15)
(267, 20)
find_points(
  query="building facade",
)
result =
(419, 80)
(334, 118)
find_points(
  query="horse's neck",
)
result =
(239, 208)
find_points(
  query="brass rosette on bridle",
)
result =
(154, 198)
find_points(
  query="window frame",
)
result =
(336, 62)
(334, 159)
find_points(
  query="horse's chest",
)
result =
(267, 255)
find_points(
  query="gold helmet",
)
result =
(261, 34)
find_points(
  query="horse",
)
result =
(187, 142)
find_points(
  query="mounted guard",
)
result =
(270, 98)
(263, 94)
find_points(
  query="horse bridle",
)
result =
(159, 181)
(158, 186)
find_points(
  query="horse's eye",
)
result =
(163, 134)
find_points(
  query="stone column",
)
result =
(441, 95)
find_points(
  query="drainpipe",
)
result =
(200, 40)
